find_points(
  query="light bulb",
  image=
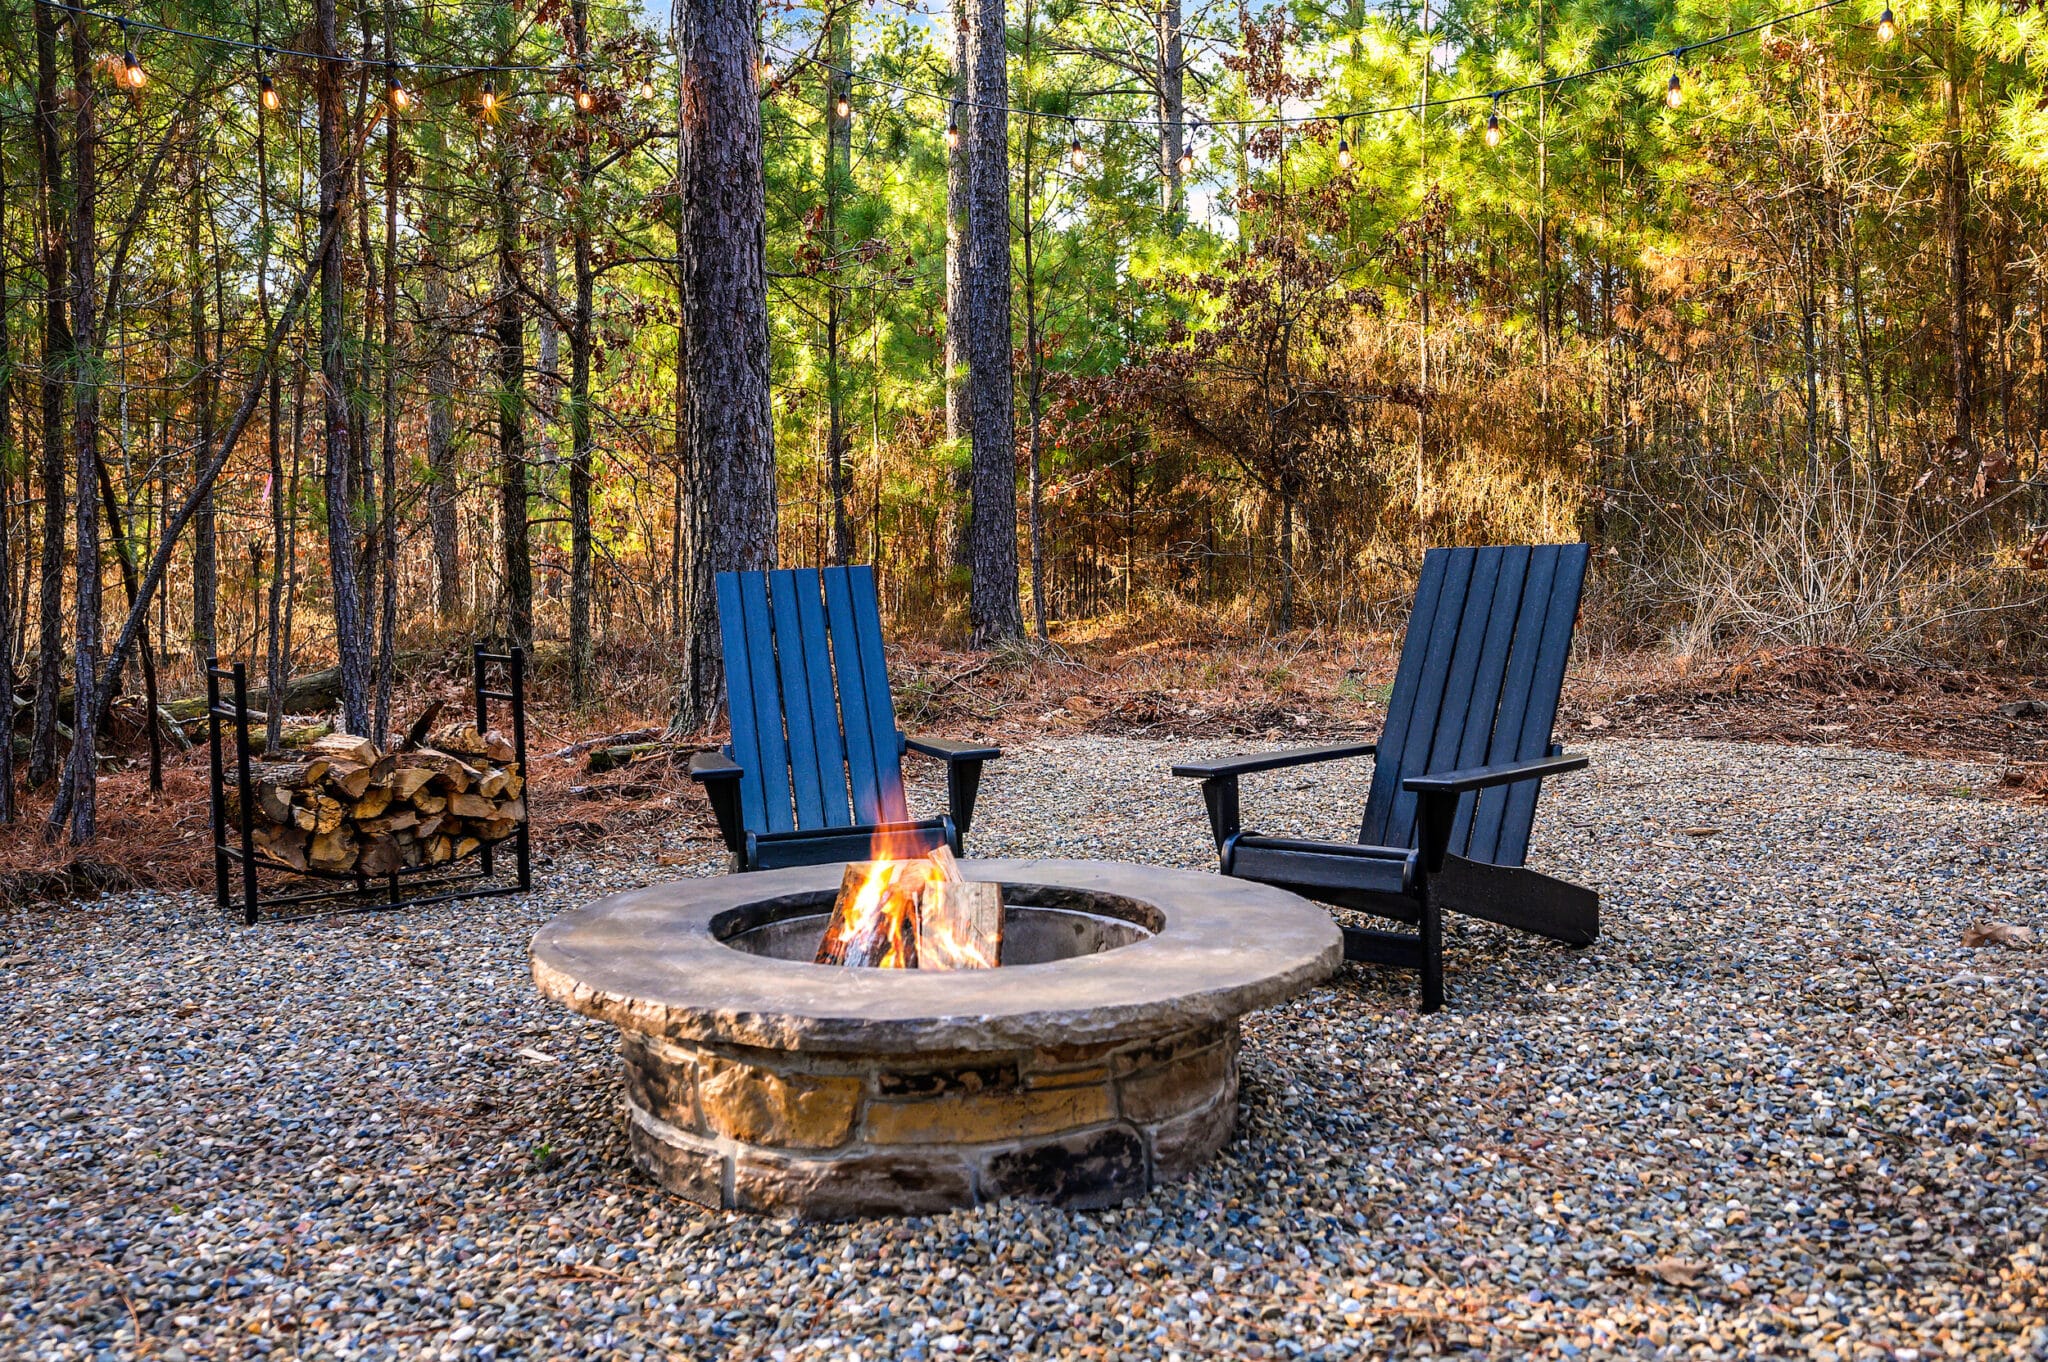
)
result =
(1343, 153)
(487, 100)
(1187, 161)
(132, 72)
(1674, 92)
(400, 98)
(1493, 127)
(767, 70)
(585, 101)
(646, 87)
(844, 107)
(1887, 28)
(952, 136)
(267, 94)
(1076, 157)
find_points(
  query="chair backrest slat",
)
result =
(806, 779)
(1478, 683)
(739, 700)
(813, 722)
(823, 702)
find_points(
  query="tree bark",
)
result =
(442, 487)
(42, 752)
(1956, 196)
(730, 455)
(959, 395)
(838, 85)
(205, 545)
(6, 524)
(1170, 76)
(85, 432)
(992, 599)
(511, 340)
(581, 650)
(351, 627)
(280, 549)
(387, 630)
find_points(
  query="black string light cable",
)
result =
(460, 68)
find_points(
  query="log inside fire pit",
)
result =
(1098, 1061)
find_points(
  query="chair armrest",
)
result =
(1486, 777)
(951, 751)
(1219, 779)
(720, 777)
(963, 774)
(1248, 762)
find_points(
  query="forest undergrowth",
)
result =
(1117, 677)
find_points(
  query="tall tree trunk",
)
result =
(581, 650)
(992, 600)
(838, 171)
(1034, 376)
(387, 628)
(42, 751)
(280, 549)
(85, 433)
(959, 392)
(1169, 77)
(730, 454)
(1956, 197)
(205, 546)
(7, 448)
(351, 627)
(513, 510)
(442, 488)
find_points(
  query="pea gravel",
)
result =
(1777, 1110)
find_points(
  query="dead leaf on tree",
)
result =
(1997, 934)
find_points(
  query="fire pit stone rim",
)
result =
(648, 961)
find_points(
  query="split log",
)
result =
(960, 925)
(348, 808)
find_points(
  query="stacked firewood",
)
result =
(344, 807)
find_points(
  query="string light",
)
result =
(1493, 123)
(132, 74)
(1674, 91)
(395, 92)
(843, 107)
(267, 93)
(647, 87)
(1887, 28)
(1076, 157)
(768, 70)
(1343, 147)
(953, 129)
(1187, 158)
(487, 100)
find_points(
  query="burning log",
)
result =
(916, 913)
(350, 809)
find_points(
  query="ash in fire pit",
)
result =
(1098, 1061)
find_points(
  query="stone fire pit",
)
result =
(1099, 1060)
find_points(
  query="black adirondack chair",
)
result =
(814, 769)
(1458, 765)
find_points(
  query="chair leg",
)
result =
(1432, 957)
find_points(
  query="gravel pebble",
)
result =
(1777, 1110)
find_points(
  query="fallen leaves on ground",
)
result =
(1997, 934)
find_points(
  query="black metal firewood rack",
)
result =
(234, 849)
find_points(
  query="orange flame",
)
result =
(886, 921)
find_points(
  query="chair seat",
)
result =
(781, 850)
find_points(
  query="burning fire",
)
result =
(906, 908)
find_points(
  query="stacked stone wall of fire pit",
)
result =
(1100, 1060)
(831, 1136)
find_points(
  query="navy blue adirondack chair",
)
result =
(1465, 747)
(814, 769)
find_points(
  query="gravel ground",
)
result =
(1778, 1110)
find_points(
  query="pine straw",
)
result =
(1259, 689)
